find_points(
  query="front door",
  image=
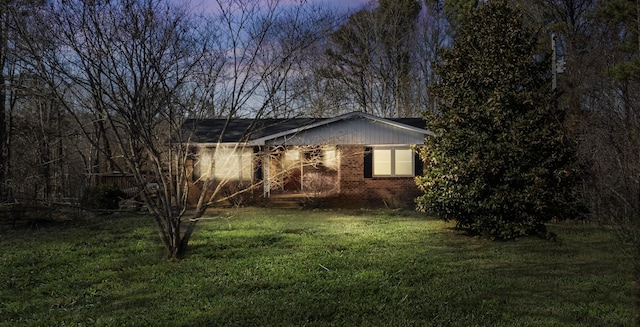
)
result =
(292, 170)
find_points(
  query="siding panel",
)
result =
(358, 131)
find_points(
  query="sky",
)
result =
(340, 4)
(343, 4)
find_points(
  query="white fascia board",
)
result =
(400, 125)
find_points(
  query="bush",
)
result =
(102, 197)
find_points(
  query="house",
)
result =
(353, 160)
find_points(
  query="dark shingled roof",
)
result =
(238, 130)
(244, 130)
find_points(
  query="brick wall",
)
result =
(356, 191)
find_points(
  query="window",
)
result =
(330, 157)
(225, 164)
(234, 164)
(392, 162)
(403, 162)
(291, 158)
(382, 162)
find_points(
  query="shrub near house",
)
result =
(501, 165)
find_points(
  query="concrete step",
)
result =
(291, 202)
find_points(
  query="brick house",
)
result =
(353, 160)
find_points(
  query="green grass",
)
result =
(312, 268)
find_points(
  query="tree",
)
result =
(9, 10)
(20, 96)
(4, 135)
(138, 68)
(370, 55)
(623, 17)
(458, 11)
(501, 164)
(127, 63)
(609, 126)
(432, 35)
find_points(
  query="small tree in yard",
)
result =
(500, 165)
(140, 67)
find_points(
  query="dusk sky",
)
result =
(346, 4)
(342, 4)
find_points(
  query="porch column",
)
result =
(266, 177)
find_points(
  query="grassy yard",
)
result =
(259, 267)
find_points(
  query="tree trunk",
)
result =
(3, 135)
(3, 98)
(174, 241)
(186, 237)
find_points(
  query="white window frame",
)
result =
(393, 163)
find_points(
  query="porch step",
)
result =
(286, 202)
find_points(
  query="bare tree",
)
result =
(608, 123)
(38, 147)
(261, 44)
(4, 145)
(11, 12)
(32, 147)
(140, 67)
(260, 51)
(125, 63)
(376, 58)
(432, 35)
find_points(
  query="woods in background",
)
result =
(95, 87)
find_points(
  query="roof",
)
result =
(237, 130)
(257, 131)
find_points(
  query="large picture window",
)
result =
(393, 162)
(225, 164)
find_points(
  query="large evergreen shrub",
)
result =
(501, 165)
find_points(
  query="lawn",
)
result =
(259, 267)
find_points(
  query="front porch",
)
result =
(301, 173)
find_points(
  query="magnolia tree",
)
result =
(501, 164)
(140, 67)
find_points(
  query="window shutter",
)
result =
(368, 162)
(419, 165)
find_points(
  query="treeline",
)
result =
(93, 87)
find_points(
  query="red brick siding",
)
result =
(356, 191)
